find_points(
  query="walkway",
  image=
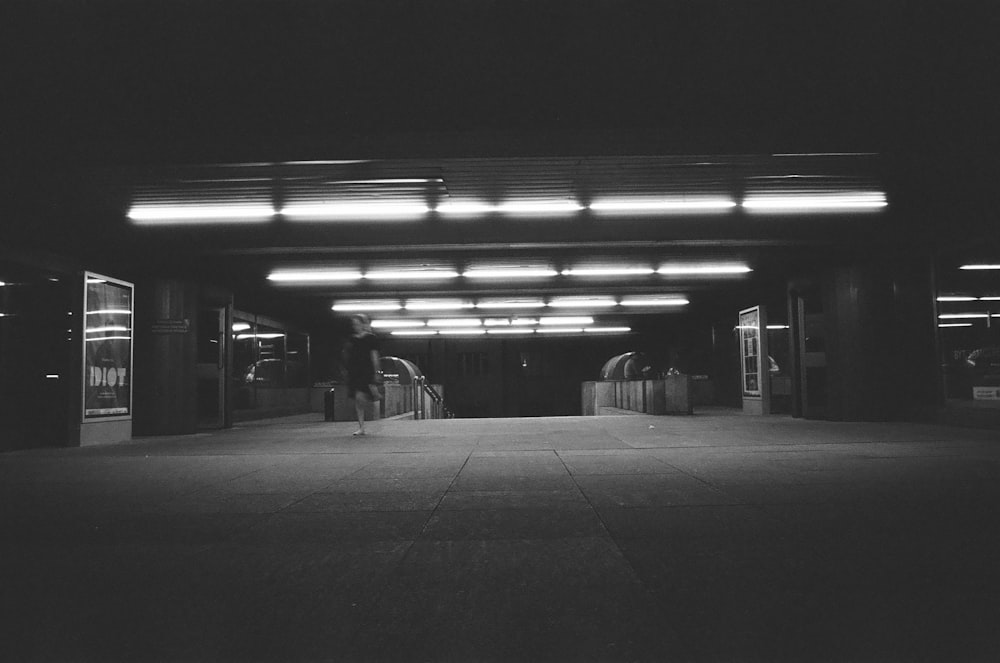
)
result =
(716, 537)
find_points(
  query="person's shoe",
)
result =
(358, 433)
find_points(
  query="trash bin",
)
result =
(328, 406)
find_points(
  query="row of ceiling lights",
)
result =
(497, 326)
(577, 302)
(500, 272)
(860, 201)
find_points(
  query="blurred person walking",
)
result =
(362, 363)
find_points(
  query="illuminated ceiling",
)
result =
(492, 233)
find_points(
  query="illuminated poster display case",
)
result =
(754, 359)
(107, 349)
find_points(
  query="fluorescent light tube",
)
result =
(862, 201)
(496, 322)
(955, 324)
(414, 332)
(240, 326)
(393, 180)
(372, 210)
(654, 301)
(510, 303)
(107, 338)
(177, 214)
(608, 271)
(539, 207)
(462, 332)
(509, 272)
(510, 331)
(436, 305)
(989, 299)
(560, 330)
(110, 311)
(980, 267)
(650, 206)
(370, 305)
(397, 324)
(961, 316)
(110, 328)
(777, 327)
(465, 208)
(567, 320)
(410, 274)
(582, 302)
(693, 270)
(455, 322)
(607, 330)
(519, 322)
(950, 298)
(313, 276)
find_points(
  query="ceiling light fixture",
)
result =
(976, 267)
(833, 202)
(436, 305)
(369, 305)
(956, 298)
(462, 332)
(540, 207)
(414, 332)
(654, 301)
(110, 311)
(179, 214)
(650, 206)
(397, 324)
(509, 272)
(510, 303)
(698, 270)
(608, 271)
(313, 276)
(455, 322)
(509, 332)
(410, 274)
(583, 302)
(607, 330)
(560, 330)
(955, 324)
(567, 320)
(356, 210)
(393, 180)
(468, 208)
(962, 316)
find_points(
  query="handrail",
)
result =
(435, 396)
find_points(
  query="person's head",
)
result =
(360, 323)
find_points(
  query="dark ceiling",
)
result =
(105, 97)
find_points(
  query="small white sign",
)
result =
(986, 393)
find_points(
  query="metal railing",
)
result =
(436, 409)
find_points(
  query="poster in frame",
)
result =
(107, 348)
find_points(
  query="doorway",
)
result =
(211, 367)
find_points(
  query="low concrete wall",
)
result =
(671, 395)
(397, 400)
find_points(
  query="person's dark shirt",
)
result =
(359, 358)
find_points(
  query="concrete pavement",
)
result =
(716, 537)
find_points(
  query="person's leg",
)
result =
(360, 403)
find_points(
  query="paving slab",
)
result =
(714, 537)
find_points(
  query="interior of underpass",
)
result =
(508, 283)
